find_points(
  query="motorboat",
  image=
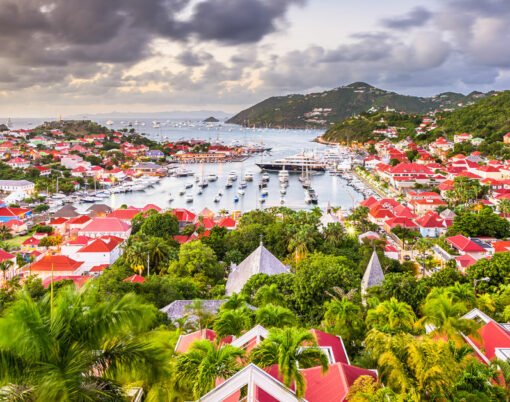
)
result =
(241, 191)
(262, 200)
(217, 199)
(188, 185)
(243, 184)
(232, 176)
(296, 163)
(189, 198)
(311, 196)
(236, 199)
(170, 198)
(248, 176)
(283, 190)
(182, 191)
(265, 177)
(212, 177)
(264, 192)
(228, 184)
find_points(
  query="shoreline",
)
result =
(321, 140)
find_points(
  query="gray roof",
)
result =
(179, 308)
(15, 183)
(99, 208)
(67, 211)
(374, 275)
(447, 214)
(261, 261)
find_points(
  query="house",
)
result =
(467, 246)
(458, 138)
(10, 186)
(260, 261)
(5, 256)
(98, 210)
(125, 215)
(16, 226)
(71, 247)
(43, 170)
(56, 265)
(59, 225)
(103, 251)
(184, 217)
(428, 204)
(18, 163)
(135, 279)
(77, 223)
(10, 213)
(100, 227)
(431, 224)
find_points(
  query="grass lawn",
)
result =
(16, 241)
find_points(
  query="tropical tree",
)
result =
(74, 347)
(392, 316)
(234, 302)
(4, 232)
(275, 316)
(269, 294)
(5, 266)
(287, 348)
(444, 316)
(422, 246)
(231, 322)
(343, 317)
(159, 251)
(135, 255)
(206, 362)
(202, 316)
(462, 293)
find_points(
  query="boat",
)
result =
(236, 199)
(283, 191)
(262, 200)
(183, 172)
(241, 191)
(199, 192)
(265, 177)
(311, 196)
(109, 122)
(170, 198)
(216, 199)
(248, 176)
(295, 163)
(212, 177)
(264, 192)
(283, 175)
(263, 184)
(203, 184)
(243, 184)
(189, 198)
(232, 176)
(220, 193)
(188, 185)
(88, 199)
(228, 184)
(182, 191)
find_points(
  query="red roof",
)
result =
(124, 214)
(227, 223)
(465, 260)
(4, 255)
(369, 202)
(8, 211)
(79, 220)
(99, 268)
(135, 279)
(493, 336)
(400, 221)
(501, 246)
(431, 220)
(183, 215)
(185, 341)
(379, 212)
(148, 207)
(181, 239)
(31, 241)
(411, 168)
(462, 243)
(334, 385)
(100, 246)
(334, 342)
(108, 225)
(79, 241)
(58, 221)
(55, 262)
(79, 280)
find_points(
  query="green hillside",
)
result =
(321, 110)
(360, 128)
(488, 119)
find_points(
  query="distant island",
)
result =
(3, 127)
(324, 109)
(211, 120)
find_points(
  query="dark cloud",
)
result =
(417, 17)
(189, 58)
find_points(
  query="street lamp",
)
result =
(486, 279)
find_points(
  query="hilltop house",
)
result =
(10, 186)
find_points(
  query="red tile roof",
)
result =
(430, 220)
(135, 279)
(107, 225)
(462, 243)
(4, 255)
(79, 220)
(79, 280)
(185, 341)
(58, 221)
(99, 246)
(8, 211)
(183, 215)
(334, 385)
(148, 207)
(227, 223)
(334, 342)
(99, 268)
(465, 260)
(125, 214)
(55, 262)
(493, 336)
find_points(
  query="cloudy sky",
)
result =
(90, 56)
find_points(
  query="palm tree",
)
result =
(231, 322)
(275, 316)
(269, 294)
(206, 362)
(444, 316)
(159, 251)
(502, 376)
(203, 317)
(343, 317)
(136, 255)
(4, 232)
(287, 348)
(422, 246)
(234, 302)
(462, 293)
(392, 316)
(76, 348)
(339, 293)
(5, 266)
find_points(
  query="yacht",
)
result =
(283, 190)
(296, 163)
(248, 176)
(228, 184)
(212, 177)
(189, 198)
(311, 196)
(183, 172)
(283, 175)
(241, 191)
(188, 185)
(170, 198)
(265, 177)
(109, 122)
(232, 176)
(243, 184)
(182, 191)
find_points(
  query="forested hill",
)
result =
(489, 118)
(320, 110)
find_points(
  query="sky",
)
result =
(64, 57)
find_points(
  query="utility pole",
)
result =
(148, 266)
